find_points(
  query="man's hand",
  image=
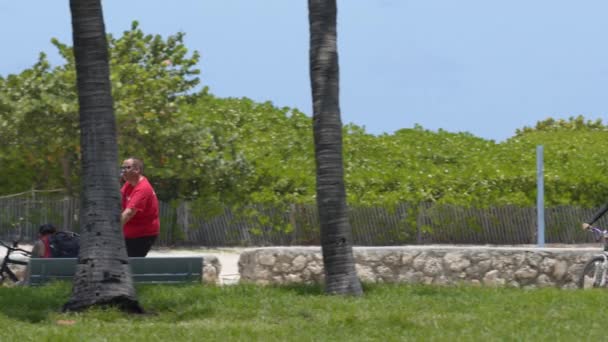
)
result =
(586, 226)
(126, 215)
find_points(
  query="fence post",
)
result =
(293, 210)
(419, 223)
(183, 217)
(66, 212)
(540, 197)
(28, 209)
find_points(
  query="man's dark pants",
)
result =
(139, 247)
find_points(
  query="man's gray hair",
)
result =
(138, 163)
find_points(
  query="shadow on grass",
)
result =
(301, 289)
(174, 302)
(36, 304)
(33, 304)
(318, 289)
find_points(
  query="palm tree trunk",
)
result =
(103, 276)
(336, 235)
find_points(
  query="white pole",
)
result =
(540, 197)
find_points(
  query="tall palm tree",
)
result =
(103, 276)
(336, 234)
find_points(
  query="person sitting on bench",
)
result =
(42, 247)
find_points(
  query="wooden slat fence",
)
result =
(426, 223)
(22, 214)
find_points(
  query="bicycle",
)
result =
(5, 270)
(595, 272)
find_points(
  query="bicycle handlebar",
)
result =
(598, 232)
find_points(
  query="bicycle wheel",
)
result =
(593, 273)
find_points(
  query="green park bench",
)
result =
(149, 270)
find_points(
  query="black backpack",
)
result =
(64, 245)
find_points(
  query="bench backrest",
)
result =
(150, 270)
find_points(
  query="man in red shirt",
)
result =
(139, 218)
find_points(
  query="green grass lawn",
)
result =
(303, 313)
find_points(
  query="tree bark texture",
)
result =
(103, 275)
(336, 234)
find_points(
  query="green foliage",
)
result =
(194, 144)
(412, 165)
(37, 123)
(417, 165)
(256, 154)
(275, 143)
(151, 78)
(233, 151)
(572, 124)
(576, 169)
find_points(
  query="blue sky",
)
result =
(484, 67)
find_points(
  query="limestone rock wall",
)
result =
(211, 269)
(443, 265)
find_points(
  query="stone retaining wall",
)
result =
(211, 269)
(444, 265)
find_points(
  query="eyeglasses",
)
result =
(126, 167)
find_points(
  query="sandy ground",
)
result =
(228, 257)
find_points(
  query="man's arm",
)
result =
(38, 250)
(595, 216)
(126, 215)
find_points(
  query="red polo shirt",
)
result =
(142, 198)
